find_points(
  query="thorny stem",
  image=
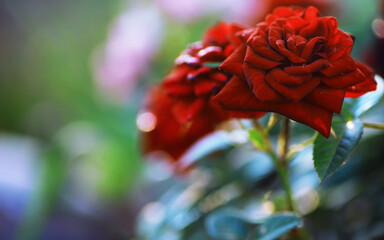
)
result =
(279, 162)
(283, 163)
(379, 126)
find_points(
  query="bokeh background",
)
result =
(72, 77)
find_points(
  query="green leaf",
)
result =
(257, 139)
(277, 225)
(212, 64)
(330, 154)
(228, 225)
(212, 143)
(354, 107)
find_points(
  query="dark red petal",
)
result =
(369, 84)
(362, 88)
(283, 12)
(245, 114)
(205, 87)
(211, 54)
(237, 96)
(308, 49)
(296, 23)
(296, 44)
(311, 13)
(184, 110)
(217, 34)
(245, 34)
(293, 93)
(234, 62)
(342, 45)
(178, 74)
(233, 37)
(290, 55)
(218, 76)
(199, 71)
(342, 65)
(322, 26)
(308, 69)
(259, 61)
(274, 34)
(256, 80)
(326, 97)
(261, 46)
(344, 80)
(179, 89)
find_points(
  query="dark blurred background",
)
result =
(72, 76)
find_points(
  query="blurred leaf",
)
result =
(257, 139)
(276, 226)
(53, 173)
(214, 142)
(257, 168)
(227, 225)
(330, 154)
(354, 107)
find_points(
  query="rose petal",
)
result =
(238, 97)
(259, 61)
(211, 54)
(307, 69)
(184, 110)
(369, 84)
(326, 97)
(296, 23)
(342, 65)
(215, 36)
(245, 114)
(308, 49)
(261, 89)
(311, 13)
(274, 34)
(261, 46)
(293, 93)
(283, 12)
(344, 80)
(179, 89)
(322, 26)
(290, 55)
(233, 63)
(204, 87)
(342, 45)
(193, 74)
(178, 74)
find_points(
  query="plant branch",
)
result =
(379, 126)
(279, 162)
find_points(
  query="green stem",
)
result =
(283, 163)
(280, 163)
(379, 126)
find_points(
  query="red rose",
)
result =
(161, 131)
(297, 64)
(182, 106)
(196, 77)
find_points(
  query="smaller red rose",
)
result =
(161, 131)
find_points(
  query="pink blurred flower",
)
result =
(239, 11)
(133, 41)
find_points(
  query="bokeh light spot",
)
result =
(146, 122)
(378, 27)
